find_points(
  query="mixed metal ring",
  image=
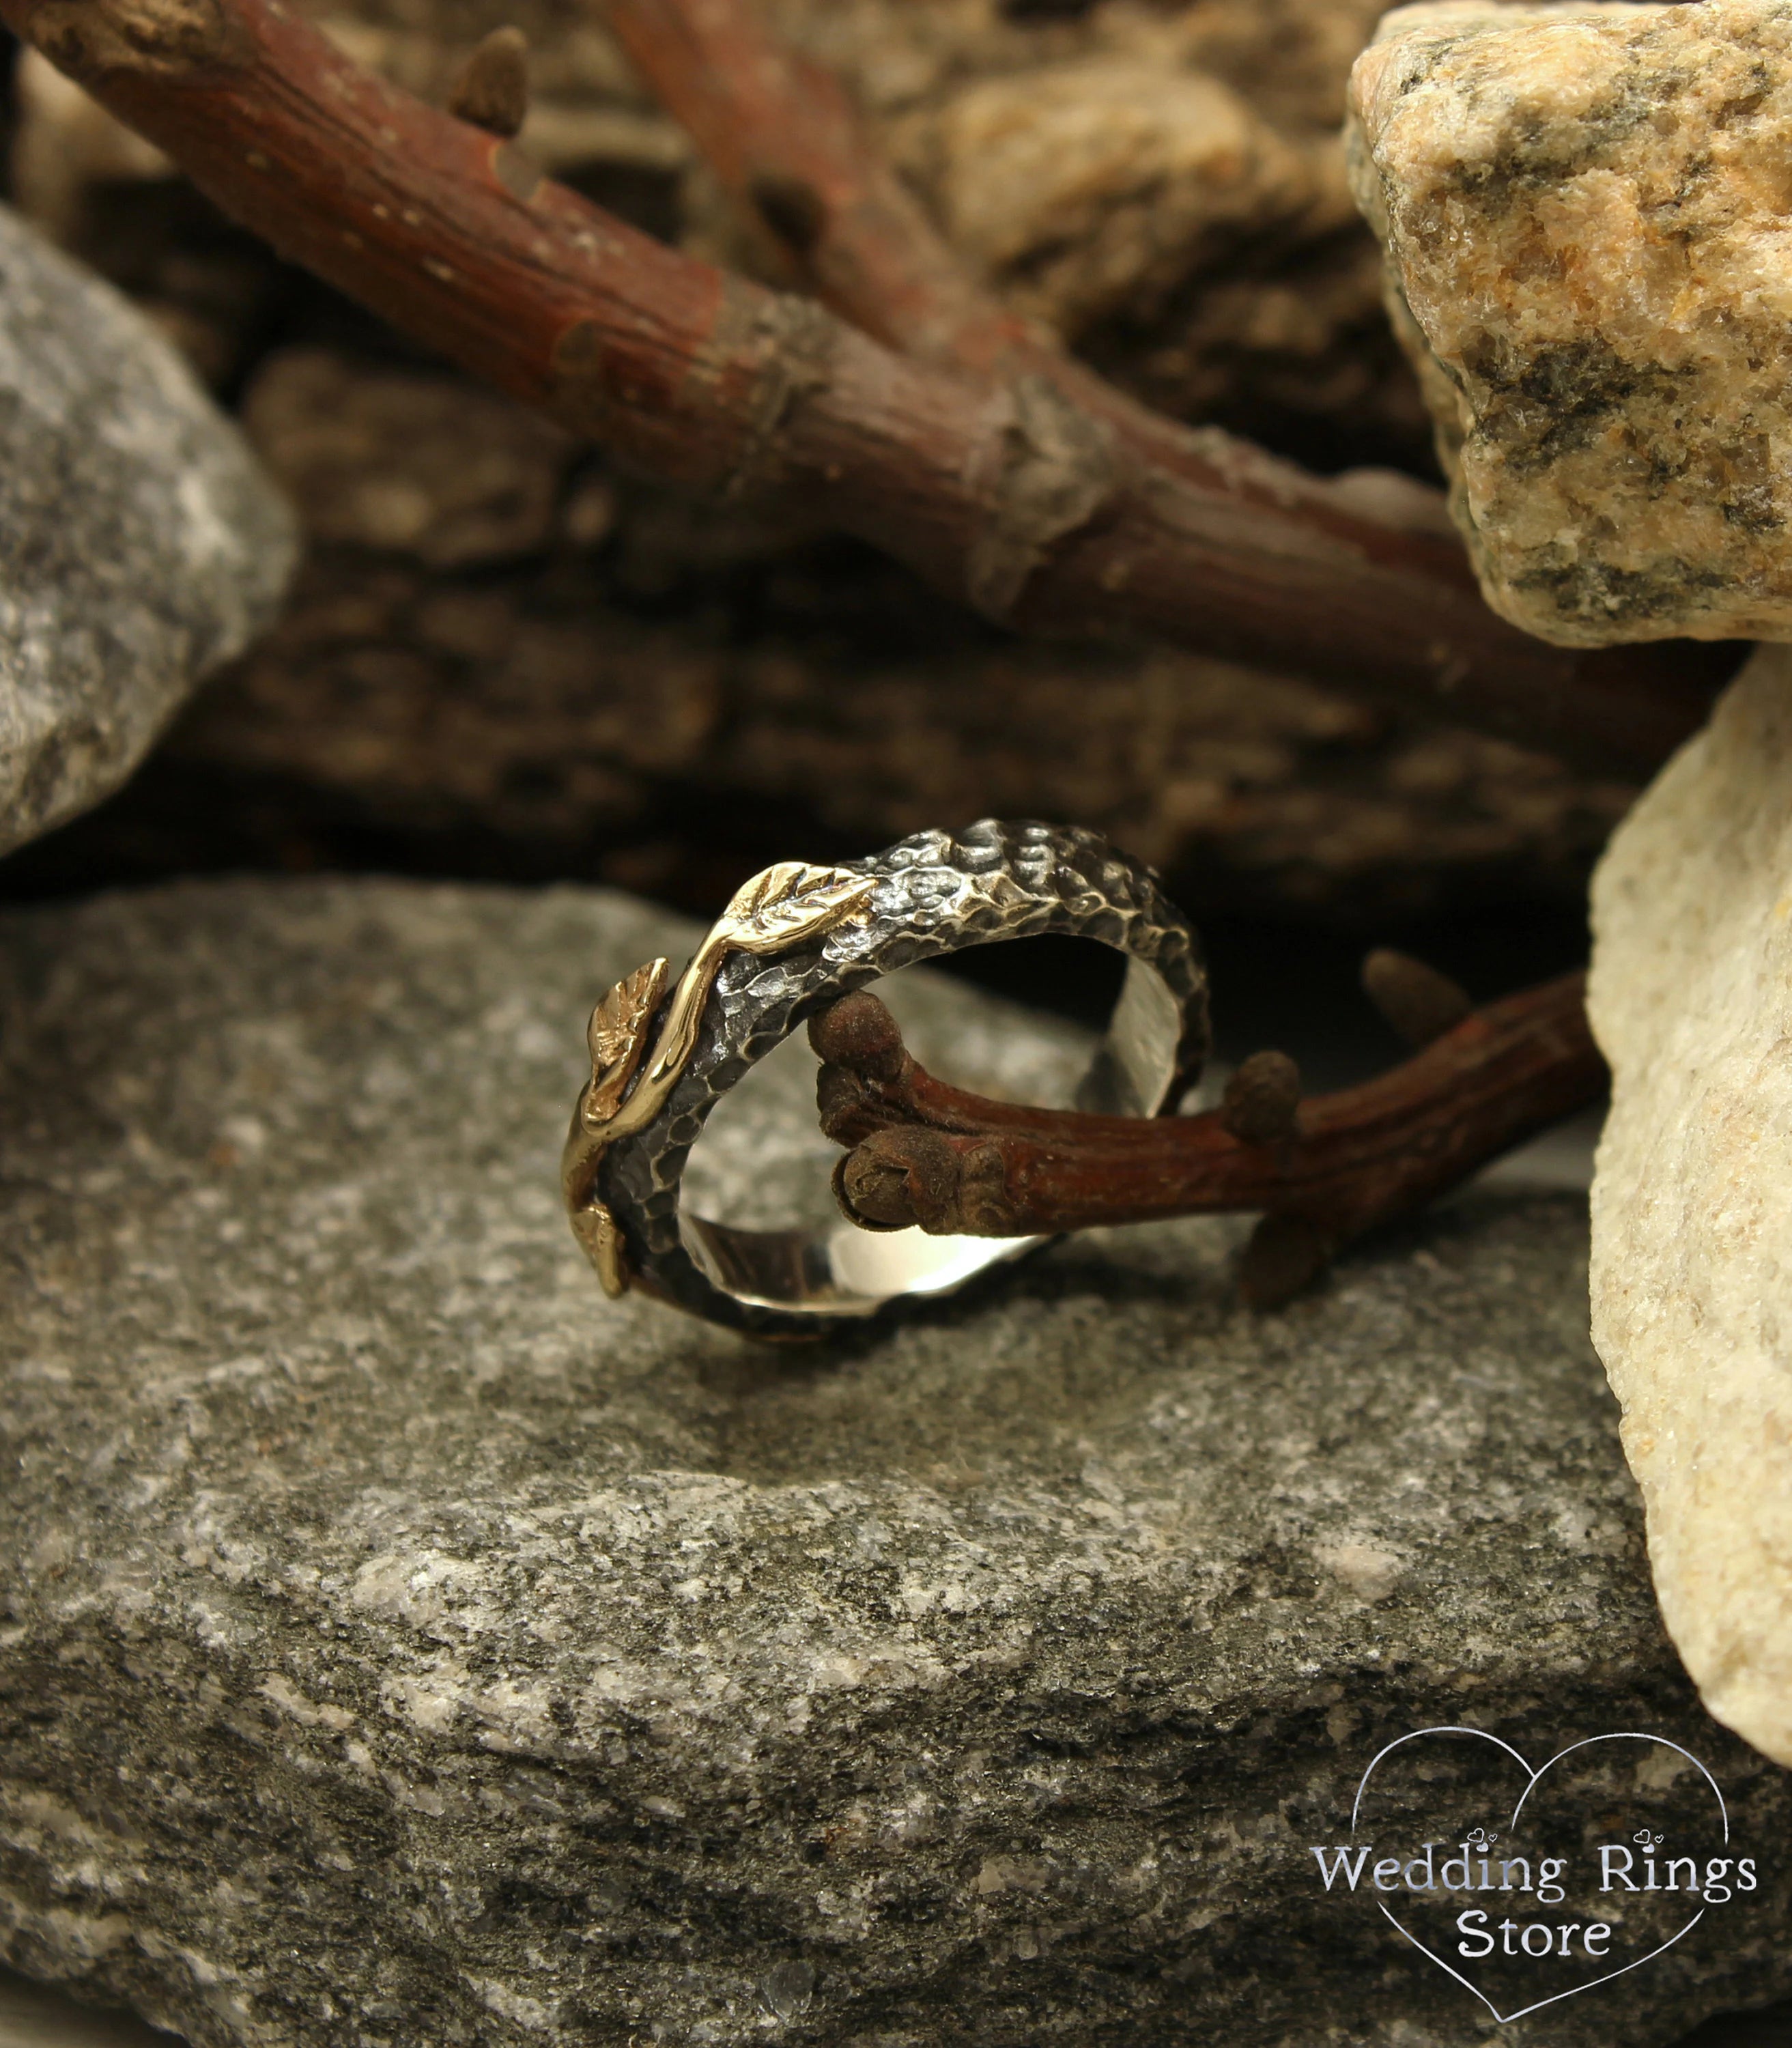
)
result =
(794, 940)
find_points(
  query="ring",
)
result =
(795, 939)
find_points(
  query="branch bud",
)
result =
(1420, 1003)
(491, 89)
(1262, 1099)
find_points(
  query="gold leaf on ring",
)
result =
(792, 901)
(596, 1229)
(616, 1037)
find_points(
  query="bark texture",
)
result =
(497, 635)
(1270, 790)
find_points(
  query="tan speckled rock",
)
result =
(1691, 1259)
(1584, 210)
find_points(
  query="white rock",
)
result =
(1691, 1000)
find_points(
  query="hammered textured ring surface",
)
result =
(795, 939)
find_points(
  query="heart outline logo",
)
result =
(1533, 1779)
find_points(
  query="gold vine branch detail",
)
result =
(781, 906)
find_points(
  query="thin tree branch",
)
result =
(1011, 495)
(924, 1152)
(789, 143)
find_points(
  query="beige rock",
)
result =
(1692, 1208)
(1096, 189)
(1584, 210)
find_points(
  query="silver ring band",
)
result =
(794, 940)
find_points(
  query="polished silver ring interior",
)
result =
(795, 939)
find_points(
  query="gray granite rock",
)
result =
(399, 1643)
(142, 545)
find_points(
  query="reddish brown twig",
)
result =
(1028, 504)
(788, 142)
(922, 1152)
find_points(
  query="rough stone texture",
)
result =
(142, 546)
(1692, 1212)
(1589, 259)
(1097, 188)
(401, 1645)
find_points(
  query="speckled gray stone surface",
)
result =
(140, 544)
(398, 1643)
